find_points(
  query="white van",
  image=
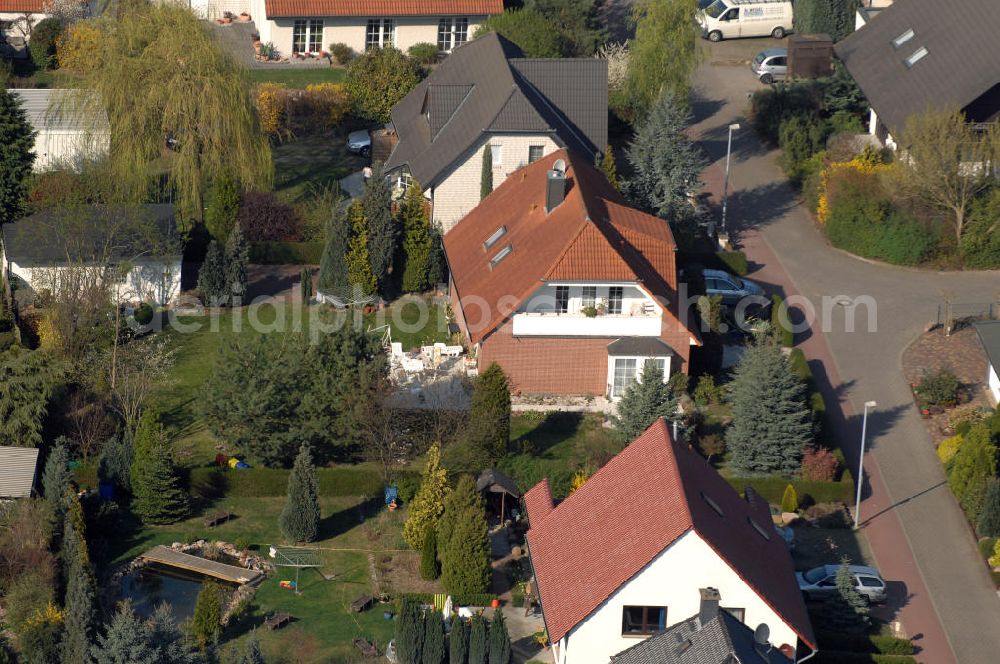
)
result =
(727, 19)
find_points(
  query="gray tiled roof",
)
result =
(989, 335)
(723, 640)
(640, 347)
(962, 61)
(17, 471)
(565, 98)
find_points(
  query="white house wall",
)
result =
(458, 193)
(993, 381)
(673, 580)
(537, 316)
(156, 282)
(65, 148)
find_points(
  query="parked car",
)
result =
(360, 142)
(730, 287)
(770, 65)
(822, 580)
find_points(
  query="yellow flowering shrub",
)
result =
(78, 48)
(994, 560)
(272, 102)
(949, 448)
(579, 479)
(867, 164)
(328, 103)
(48, 333)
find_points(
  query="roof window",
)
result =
(711, 503)
(916, 56)
(903, 38)
(760, 531)
(502, 254)
(493, 239)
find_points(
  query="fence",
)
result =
(953, 315)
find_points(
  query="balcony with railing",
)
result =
(639, 320)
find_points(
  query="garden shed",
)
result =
(500, 493)
(18, 468)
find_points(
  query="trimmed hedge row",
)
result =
(735, 261)
(286, 253)
(271, 482)
(844, 657)
(875, 643)
(817, 405)
(772, 489)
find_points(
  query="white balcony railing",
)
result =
(579, 325)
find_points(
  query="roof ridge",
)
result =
(559, 114)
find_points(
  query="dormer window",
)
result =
(759, 529)
(502, 254)
(903, 38)
(916, 56)
(493, 239)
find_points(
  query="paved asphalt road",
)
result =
(906, 485)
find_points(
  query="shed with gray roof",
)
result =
(18, 469)
(70, 127)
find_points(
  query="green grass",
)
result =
(298, 77)
(303, 164)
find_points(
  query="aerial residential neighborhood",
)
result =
(486, 332)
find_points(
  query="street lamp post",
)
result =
(725, 186)
(861, 463)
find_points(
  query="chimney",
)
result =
(555, 186)
(709, 608)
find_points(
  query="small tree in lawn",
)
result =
(250, 653)
(220, 215)
(17, 158)
(156, 488)
(333, 271)
(428, 556)
(458, 642)
(299, 520)
(486, 178)
(479, 645)
(989, 518)
(499, 639)
(428, 505)
(212, 276)
(609, 167)
(433, 651)
(359, 269)
(237, 261)
(465, 556)
(771, 422)
(409, 633)
(790, 499)
(488, 432)
(416, 241)
(206, 623)
(644, 402)
(383, 230)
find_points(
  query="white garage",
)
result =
(67, 133)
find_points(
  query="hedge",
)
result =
(772, 489)
(786, 334)
(286, 253)
(735, 261)
(272, 482)
(877, 643)
(817, 405)
(844, 657)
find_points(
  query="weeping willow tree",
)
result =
(175, 105)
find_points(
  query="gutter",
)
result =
(809, 656)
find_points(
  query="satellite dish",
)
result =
(559, 166)
(762, 635)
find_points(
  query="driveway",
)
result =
(917, 532)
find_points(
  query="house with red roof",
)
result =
(310, 26)
(556, 279)
(627, 554)
(17, 18)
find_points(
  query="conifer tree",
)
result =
(970, 469)
(463, 498)
(989, 519)
(56, 479)
(222, 210)
(131, 640)
(81, 595)
(479, 646)
(237, 261)
(212, 276)
(206, 623)
(458, 642)
(300, 519)
(409, 633)
(437, 267)
(114, 466)
(428, 505)
(790, 499)
(158, 497)
(333, 279)
(428, 556)
(250, 654)
(848, 608)
(465, 556)
(416, 241)
(433, 651)
(609, 167)
(306, 282)
(499, 639)
(488, 432)
(486, 179)
(771, 422)
(644, 402)
(18, 140)
(359, 269)
(383, 230)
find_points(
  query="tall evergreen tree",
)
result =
(488, 432)
(333, 275)
(416, 241)
(305, 285)
(114, 466)
(428, 505)
(971, 468)
(250, 653)
(848, 608)
(429, 556)
(499, 639)
(81, 596)
(989, 518)
(237, 261)
(456, 504)
(206, 623)
(609, 167)
(156, 488)
(16, 159)
(383, 230)
(359, 269)
(131, 640)
(57, 478)
(212, 276)
(771, 422)
(486, 178)
(409, 633)
(433, 651)
(479, 645)
(465, 557)
(458, 642)
(300, 519)
(223, 208)
(28, 381)
(644, 402)
(437, 268)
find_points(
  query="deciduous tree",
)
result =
(578, 23)
(377, 79)
(663, 54)
(300, 518)
(428, 505)
(644, 402)
(535, 35)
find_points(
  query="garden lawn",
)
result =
(302, 165)
(298, 77)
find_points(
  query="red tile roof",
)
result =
(378, 8)
(605, 532)
(592, 235)
(22, 6)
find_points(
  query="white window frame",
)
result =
(307, 33)
(452, 33)
(614, 391)
(497, 151)
(541, 152)
(380, 33)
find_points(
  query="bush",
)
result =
(78, 46)
(938, 388)
(948, 448)
(272, 107)
(377, 79)
(735, 261)
(843, 657)
(771, 107)
(423, 53)
(341, 53)
(831, 17)
(790, 500)
(143, 314)
(980, 244)
(876, 643)
(782, 325)
(800, 137)
(211, 483)
(323, 105)
(986, 546)
(707, 392)
(819, 464)
(263, 218)
(533, 32)
(42, 45)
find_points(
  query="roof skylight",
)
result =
(916, 56)
(502, 254)
(711, 503)
(903, 38)
(757, 527)
(493, 239)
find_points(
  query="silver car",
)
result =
(730, 287)
(360, 142)
(821, 581)
(770, 65)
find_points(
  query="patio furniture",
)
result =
(277, 621)
(367, 648)
(362, 603)
(217, 518)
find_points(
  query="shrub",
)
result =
(143, 314)
(986, 546)
(707, 392)
(782, 325)
(736, 261)
(423, 53)
(938, 388)
(532, 31)
(264, 218)
(272, 107)
(800, 137)
(875, 643)
(989, 517)
(42, 45)
(832, 17)
(341, 53)
(325, 104)
(819, 464)
(790, 500)
(771, 107)
(994, 560)
(376, 80)
(980, 245)
(78, 46)
(948, 448)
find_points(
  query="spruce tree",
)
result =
(17, 158)
(847, 607)
(989, 518)
(458, 642)
(409, 633)
(462, 499)
(222, 210)
(609, 167)
(359, 269)
(81, 595)
(416, 241)
(486, 179)
(644, 402)
(437, 266)
(126, 640)
(428, 556)
(333, 279)
(56, 479)
(114, 466)
(970, 469)
(383, 230)
(305, 285)
(212, 276)
(250, 654)
(499, 639)
(479, 646)
(156, 488)
(428, 505)
(488, 432)
(465, 557)
(433, 651)
(299, 520)
(771, 422)
(206, 623)
(236, 264)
